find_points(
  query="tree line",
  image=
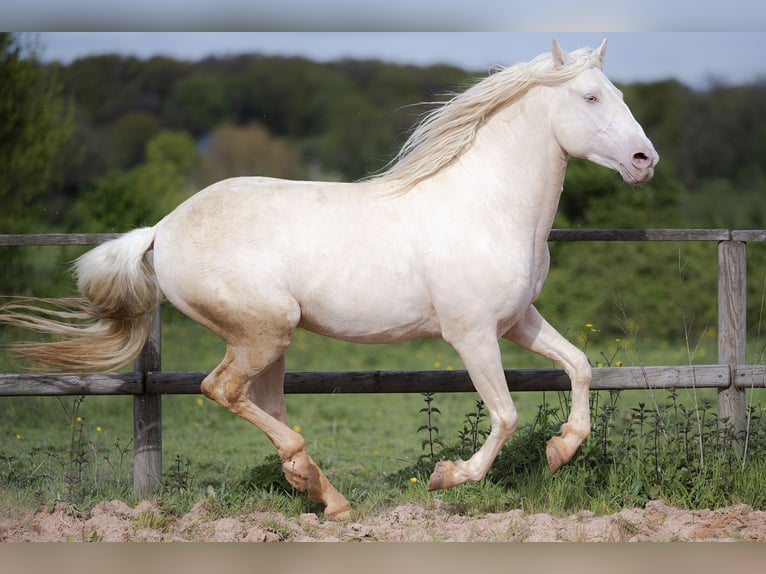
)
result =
(107, 143)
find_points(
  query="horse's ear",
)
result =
(560, 57)
(601, 52)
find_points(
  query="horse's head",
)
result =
(591, 121)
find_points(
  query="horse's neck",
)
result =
(518, 157)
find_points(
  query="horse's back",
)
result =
(259, 245)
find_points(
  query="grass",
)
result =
(79, 449)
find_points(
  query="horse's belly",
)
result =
(369, 319)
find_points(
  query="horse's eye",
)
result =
(590, 98)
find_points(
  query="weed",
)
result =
(266, 476)
(178, 478)
(473, 435)
(77, 456)
(430, 411)
(122, 451)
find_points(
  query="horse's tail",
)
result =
(109, 325)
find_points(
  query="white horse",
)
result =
(450, 242)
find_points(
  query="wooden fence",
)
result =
(147, 383)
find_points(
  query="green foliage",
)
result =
(33, 127)
(248, 150)
(129, 137)
(121, 201)
(267, 475)
(473, 435)
(665, 451)
(649, 288)
(197, 104)
(430, 412)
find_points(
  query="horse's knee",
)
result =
(580, 371)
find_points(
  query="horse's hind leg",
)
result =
(249, 383)
(268, 391)
(534, 333)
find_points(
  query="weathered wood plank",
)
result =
(749, 235)
(147, 419)
(47, 239)
(639, 235)
(661, 377)
(750, 376)
(732, 327)
(43, 239)
(328, 382)
(70, 384)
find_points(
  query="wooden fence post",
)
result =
(732, 328)
(147, 419)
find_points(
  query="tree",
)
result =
(197, 104)
(250, 150)
(123, 200)
(129, 136)
(34, 126)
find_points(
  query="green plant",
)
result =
(472, 436)
(430, 411)
(179, 478)
(77, 455)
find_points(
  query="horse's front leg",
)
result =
(480, 353)
(533, 332)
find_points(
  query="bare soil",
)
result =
(114, 521)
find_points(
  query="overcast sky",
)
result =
(695, 58)
(407, 15)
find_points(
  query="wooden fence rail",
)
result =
(147, 383)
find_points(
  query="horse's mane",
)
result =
(445, 133)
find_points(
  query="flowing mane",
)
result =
(445, 133)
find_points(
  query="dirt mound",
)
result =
(114, 521)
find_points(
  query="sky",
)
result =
(695, 58)
(376, 15)
(690, 40)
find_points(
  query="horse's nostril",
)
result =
(641, 160)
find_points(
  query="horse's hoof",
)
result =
(340, 513)
(441, 477)
(554, 454)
